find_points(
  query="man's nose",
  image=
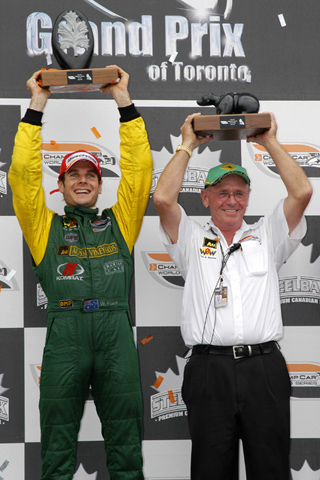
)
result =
(232, 198)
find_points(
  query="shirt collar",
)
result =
(82, 211)
(210, 225)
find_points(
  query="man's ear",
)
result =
(204, 198)
(61, 186)
(100, 187)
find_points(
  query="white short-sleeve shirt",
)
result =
(252, 314)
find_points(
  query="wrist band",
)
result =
(185, 149)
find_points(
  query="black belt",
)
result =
(236, 351)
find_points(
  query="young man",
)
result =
(236, 384)
(84, 264)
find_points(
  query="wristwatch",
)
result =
(185, 149)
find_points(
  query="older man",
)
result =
(84, 264)
(236, 384)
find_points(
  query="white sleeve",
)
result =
(179, 252)
(283, 243)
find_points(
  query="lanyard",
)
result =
(225, 257)
(219, 283)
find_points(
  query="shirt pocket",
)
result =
(255, 258)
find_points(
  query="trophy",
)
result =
(237, 117)
(72, 45)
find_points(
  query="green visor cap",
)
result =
(216, 174)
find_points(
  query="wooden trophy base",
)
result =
(232, 127)
(82, 80)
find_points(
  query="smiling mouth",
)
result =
(81, 192)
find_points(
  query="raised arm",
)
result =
(166, 194)
(25, 174)
(119, 90)
(135, 162)
(39, 95)
(295, 180)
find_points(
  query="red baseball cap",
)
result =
(79, 156)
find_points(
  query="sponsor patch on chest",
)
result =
(100, 225)
(115, 266)
(209, 247)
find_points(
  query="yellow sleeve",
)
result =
(136, 179)
(25, 178)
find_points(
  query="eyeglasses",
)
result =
(238, 196)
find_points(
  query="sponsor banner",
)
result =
(32, 461)
(11, 386)
(167, 460)
(35, 300)
(161, 353)
(300, 137)
(305, 379)
(300, 348)
(299, 280)
(159, 288)
(307, 156)
(180, 48)
(305, 465)
(11, 274)
(12, 461)
(90, 462)
(34, 340)
(11, 114)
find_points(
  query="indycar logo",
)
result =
(305, 380)
(162, 269)
(306, 155)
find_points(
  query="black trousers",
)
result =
(229, 399)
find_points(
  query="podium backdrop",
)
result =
(175, 54)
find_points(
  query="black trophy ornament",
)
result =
(236, 117)
(72, 46)
(72, 40)
(231, 103)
